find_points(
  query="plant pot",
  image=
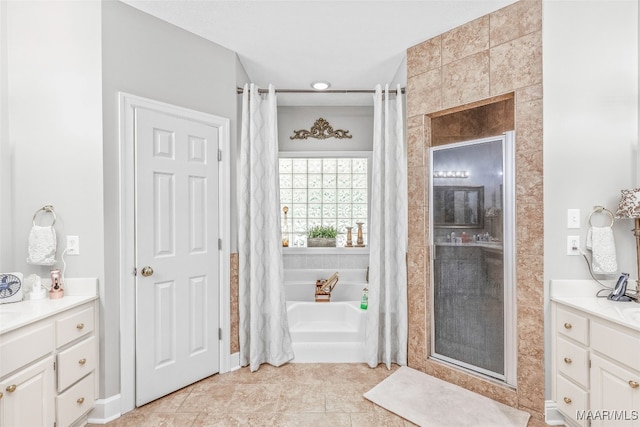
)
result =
(321, 242)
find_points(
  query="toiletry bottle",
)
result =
(364, 302)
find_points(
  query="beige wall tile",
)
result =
(516, 64)
(514, 21)
(423, 57)
(415, 121)
(465, 80)
(415, 147)
(531, 383)
(529, 93)
(529, 217)
(234, 310)
(416, 186)
(529, 176)
(529, 133)
(531, 331)
(465, 40)
(417, 232)
(530, 292)
(424, 93)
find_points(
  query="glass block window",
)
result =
(324, 191)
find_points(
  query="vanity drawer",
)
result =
(571, 399)
(23, 346)
(73, 326)
(76, 362)
(618, 343)
(572, 325)
(75, 402)
(573, 361)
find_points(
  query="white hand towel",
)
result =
(603, 250)
(42, 245)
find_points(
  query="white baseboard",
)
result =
(552, 416)
(105, 410)
(234, 362)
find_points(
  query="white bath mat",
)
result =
(430, 402)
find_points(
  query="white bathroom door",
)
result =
(177, 258)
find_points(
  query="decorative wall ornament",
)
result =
(321, 129)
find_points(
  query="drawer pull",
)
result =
(633, 384)
(11, 388)
(80, 326)
(1, 395)
(567, 361)
(81, 362)
(567, 400)
(567, 326)
(80, 401)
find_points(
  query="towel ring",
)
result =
(46, 208)
(600, 209)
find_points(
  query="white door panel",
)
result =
(177, 236)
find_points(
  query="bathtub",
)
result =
(326, 332)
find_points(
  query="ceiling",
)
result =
(352, 44)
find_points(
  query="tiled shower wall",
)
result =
(491, 56)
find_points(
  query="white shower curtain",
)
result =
(264, 330)
(386, 331)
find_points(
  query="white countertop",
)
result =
(580, 294)
(18, 314)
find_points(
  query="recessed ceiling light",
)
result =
(320, 85)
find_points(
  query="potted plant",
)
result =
(322, 236)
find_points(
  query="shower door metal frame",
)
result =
(509, 259)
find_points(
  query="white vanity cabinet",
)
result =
(596, 368)
(48, 368)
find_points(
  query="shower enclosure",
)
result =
(472, 231)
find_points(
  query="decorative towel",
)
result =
(42, 245)
(603, 250)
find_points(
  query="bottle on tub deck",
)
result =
(364, 302)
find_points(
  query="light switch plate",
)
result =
(573, 218)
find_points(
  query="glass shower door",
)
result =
(473, 289)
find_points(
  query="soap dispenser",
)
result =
(37, 291)
(56, 291)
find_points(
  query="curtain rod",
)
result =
(345, 91)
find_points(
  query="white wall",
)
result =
(590, 58)
(590, 122)
(357, 120)
(54, 128)
(6, 168)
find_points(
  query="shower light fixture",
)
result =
(320, 85)
(451, 174)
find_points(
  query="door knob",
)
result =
(147, 271)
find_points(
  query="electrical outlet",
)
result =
(573, 218)
(573, 245)
(73, 245)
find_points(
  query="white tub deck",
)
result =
(326, 332)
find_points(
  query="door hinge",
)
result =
(589, 363)
(219, 155)
(135, 271)
(220, 244)
(219, 333)
(54, 365)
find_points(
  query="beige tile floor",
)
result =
(291, 395)
(299, 395)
